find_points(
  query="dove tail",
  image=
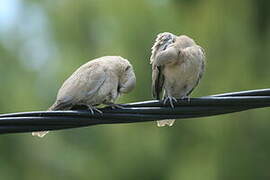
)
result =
(41, 134)
(60, 106)
(168, 122)
(53, 107)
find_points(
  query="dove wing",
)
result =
(82, 84)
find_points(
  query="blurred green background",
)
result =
(43, 42)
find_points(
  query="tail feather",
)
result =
(60, 106)
(40, 134)
(54, 107)
(168, 122)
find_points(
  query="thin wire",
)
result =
(136, 112)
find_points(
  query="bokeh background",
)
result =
(43, 42)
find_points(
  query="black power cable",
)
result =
(136, 112)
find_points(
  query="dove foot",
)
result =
(169, 99)
(116, 106)
(185, 98)
(93, 109)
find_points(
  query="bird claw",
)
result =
(170, 99)
(115, 106)
(186, 97)
(93, 109)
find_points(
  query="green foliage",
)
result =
(43, 42)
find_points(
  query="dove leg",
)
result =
(169, 99)
(92, 109)
(185, 97)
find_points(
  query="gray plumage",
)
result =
(178, 64)
(99, 81)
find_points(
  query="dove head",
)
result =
(165, 38)
(127, 78)
(161, 43)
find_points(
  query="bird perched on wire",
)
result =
(99, 81)
(178, 64)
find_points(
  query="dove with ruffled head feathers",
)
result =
(178, 64)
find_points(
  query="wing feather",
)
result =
(81, 85)
(162, 42)
(157, 81)
(200, 54)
